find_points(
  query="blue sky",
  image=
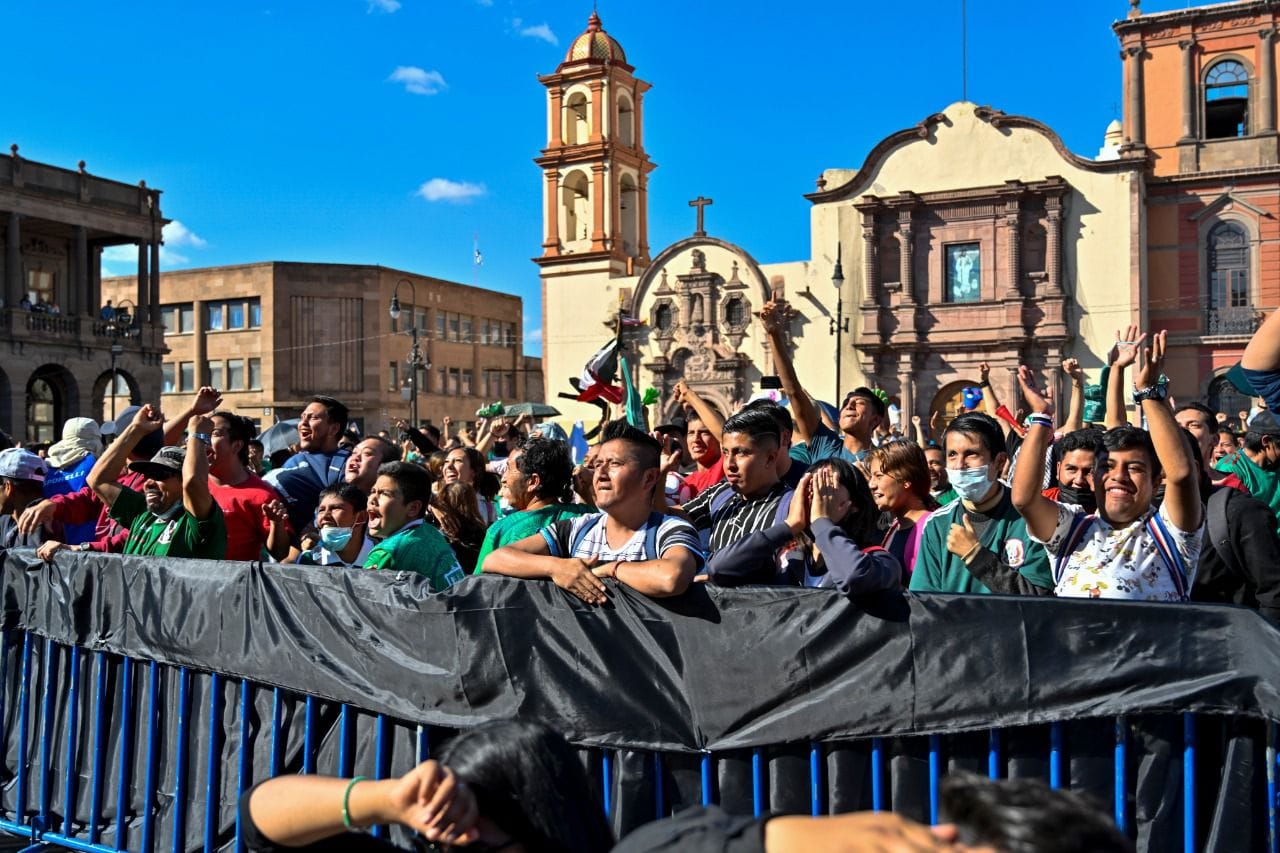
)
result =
(396, 131)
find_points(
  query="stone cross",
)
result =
(700, 203)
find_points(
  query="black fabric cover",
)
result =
(720, 671)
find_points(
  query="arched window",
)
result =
(626, 122)
(44, 410)
(576, 119)
(1230, 312)
(1226, 100)
(1223, 397)
(629, 204)
(575, 202)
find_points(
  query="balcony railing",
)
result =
(1231, 321)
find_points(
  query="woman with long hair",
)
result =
(900, 486)
(467, 465)
(512, 786)
(835, 520)
(454, 511)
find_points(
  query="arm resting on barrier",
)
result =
(294, 811)
(662, 578)
(752, 559)
(531, 559)
(853, 570)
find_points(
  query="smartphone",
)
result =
(771, 383)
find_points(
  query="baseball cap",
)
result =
(19, 464)
(677, 426)
(867, 394)
(1263, 423)
(166, 463)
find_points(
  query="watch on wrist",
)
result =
(1158, 391)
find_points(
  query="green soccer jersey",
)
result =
(176, 533)
(523, 524)
(420, 548)
(1001, 530)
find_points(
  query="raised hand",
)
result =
(1150, 362)
(208, 399)
(148, 420)
(276, 512)
(775, 314)
(1075, 373)
(1125, 350)
(984, 372)
(933, 422)
(826, 500)
(915, 420)
(798, 512)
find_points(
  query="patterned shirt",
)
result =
(723, 519)
(672, 532)
(1122, 562)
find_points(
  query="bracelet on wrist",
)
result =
(984, 383)
(346, 801)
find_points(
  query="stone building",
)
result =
(272, 334)
(57, 363)
(1200, 104)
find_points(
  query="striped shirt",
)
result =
(721, 520)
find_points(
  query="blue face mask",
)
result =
(335, 538)
(970, 483)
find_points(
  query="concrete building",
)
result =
(57, 363)
(272, 334)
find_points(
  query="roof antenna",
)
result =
(964, 52)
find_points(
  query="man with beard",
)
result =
(318, 465)
(1130, 549)
(1077, 453)
(1255, 469)
(176, 515)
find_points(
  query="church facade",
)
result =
(973, 236)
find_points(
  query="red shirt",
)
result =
(247, 524)
(703, 480)
(83, 506)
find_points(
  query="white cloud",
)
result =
(120, 254)
(533, 337)
(385, 6)
(418, 81)
(176, 234)
(541, 31)
(443, 189)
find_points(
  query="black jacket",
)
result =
(1243, 568)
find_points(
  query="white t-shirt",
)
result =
(672, 531)
(1122, 562)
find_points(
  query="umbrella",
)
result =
(535, 410)
(279, 436)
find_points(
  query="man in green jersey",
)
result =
(397, 506)
(979, 543)
(175, 514)
(538, 483)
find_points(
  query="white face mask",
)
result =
(972, 484)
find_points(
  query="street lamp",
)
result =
(414, 361)
(839, 324)
(120, 326)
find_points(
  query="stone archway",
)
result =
(108, 403)
(52, 396)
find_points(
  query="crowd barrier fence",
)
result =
(141, 697)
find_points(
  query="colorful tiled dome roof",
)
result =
(595, 45)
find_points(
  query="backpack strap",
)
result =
(651, 535)
(719, 501)
(1080, 526)
(784, 507)
(1216, 533)
(1169, 553)
(582, 534)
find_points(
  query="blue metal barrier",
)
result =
(156, 795)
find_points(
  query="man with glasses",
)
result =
(175, 515)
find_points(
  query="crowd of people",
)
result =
(1146, 501)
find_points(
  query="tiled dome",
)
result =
(595, 45)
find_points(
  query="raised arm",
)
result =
(102, 479)
(918, 431)
(1122, 355)
(206, 402)
(1181, 476)
(1041, 514)
(1075, 412)
(708, 415)
(531, 559)
(775, 315)
(990, 402)
(195, 469)
(1263, 351)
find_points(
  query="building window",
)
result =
(1226, 100)
(508, 334)
(510, 383)
(40, 287)
(466, 389)
(169, 318)
(215, 374)
(421, 315)
(186, 319)
(235, 315)
(466, 330)
(167, 378)
(964, 273)
(235, 374)
(1228, 255)
(736, 313)
(255, 373)
(664, 318)
(1223, 397)
(214, 317)
(255, 314)
(440, 323)
(187, 376)
(455, 378)
(393, 375)
(455, 323)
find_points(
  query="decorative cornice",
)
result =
(1246, 11)
(1228, 196)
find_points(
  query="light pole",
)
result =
(415, 353)
(121, 327)
(839, 324)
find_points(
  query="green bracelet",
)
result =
(346, 799)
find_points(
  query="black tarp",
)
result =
(723, 671)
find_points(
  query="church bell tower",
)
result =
(595, 170)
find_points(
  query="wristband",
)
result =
(971, 553)
(1040, 419)
(202, 436)
(984, 383)
(346, 800)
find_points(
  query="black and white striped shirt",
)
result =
(723, 519)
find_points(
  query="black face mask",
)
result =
(1083, 498)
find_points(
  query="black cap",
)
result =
(1264, 423)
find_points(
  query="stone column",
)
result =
(154, 299)
(1266, 102)
(198, 350)
(80, 301)
(1133, 57)
(635, 117)
(906, 268)
(1013, 246)
(1190, 89)
(144, 287)
(597, 205)
(597, 111)
(870, 262)
(95, 280)
(551, 245)
(557, 119)
(1053, 246)
(13, 262)
(907, 392)
(642, 215)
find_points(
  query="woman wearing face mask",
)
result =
(341, 521)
